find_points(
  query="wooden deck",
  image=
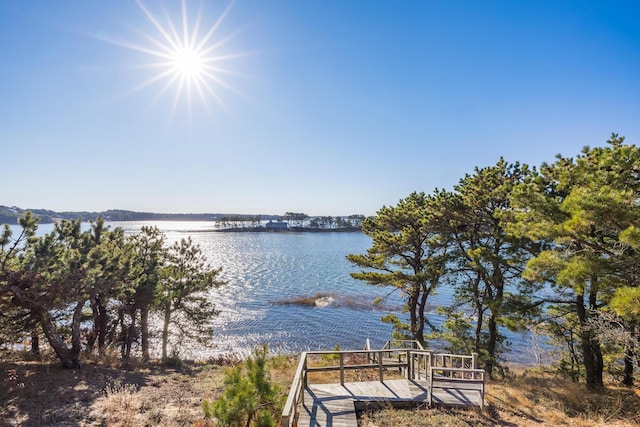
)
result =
(434, 379)
(334, 405)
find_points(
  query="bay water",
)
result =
(293, 292)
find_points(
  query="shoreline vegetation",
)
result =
(323, 299)
(259, 229)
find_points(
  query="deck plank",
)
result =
(332, 405)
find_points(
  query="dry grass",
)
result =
(41, 394)
(530, 398)
(106, 393)
(103, 394)
(537, 397)
(426, 418)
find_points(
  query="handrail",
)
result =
(414, 344)
(296, 393)
(451, 360)
(473, 372)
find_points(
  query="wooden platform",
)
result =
(333, 405)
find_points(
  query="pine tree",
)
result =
(249, 398)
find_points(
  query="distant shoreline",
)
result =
(10, 215)
(289, 230)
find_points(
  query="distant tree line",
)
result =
(302, 220)
(10, 215)
(294, 220)
(554, 248)
(337, 222)
(239, 221)
(89, 291)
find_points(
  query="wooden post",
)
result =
(474, 360)
(341, 368)
(304, 377)
(380, 367)
(430, 387)
(410, 366)
(482, 393)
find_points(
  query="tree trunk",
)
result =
(123, 333)
(629, 356)
(144, 331)
(93, 335)
(416, 330)
(35, 341)
(479, 312)
(102, 322)
(497, 280)
(70, 357)
(131, 333)
(492, 326)
(165, 330)
(591, 352)
(422, 317)
(593, 363)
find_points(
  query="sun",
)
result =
(189, 63)
(185, 59)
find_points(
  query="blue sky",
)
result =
(325, 107)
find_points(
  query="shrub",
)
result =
(249, 398)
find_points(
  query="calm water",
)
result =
(264, 270)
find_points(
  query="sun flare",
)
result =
(185, 59)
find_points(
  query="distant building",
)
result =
(277, 225)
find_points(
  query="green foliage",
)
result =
(561, 327)
(456, 331)
(181, 292)
(586, 211)
(51, 278)
(65, 279)
(147, 256)
(14, 319)
(173, 360)
(327, 358)
(488, 260)
(408, 254)
(249, 398)
(626, 302)
(401, 330)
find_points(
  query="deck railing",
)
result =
(296, 393)
(457, 379)
(410, 359)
